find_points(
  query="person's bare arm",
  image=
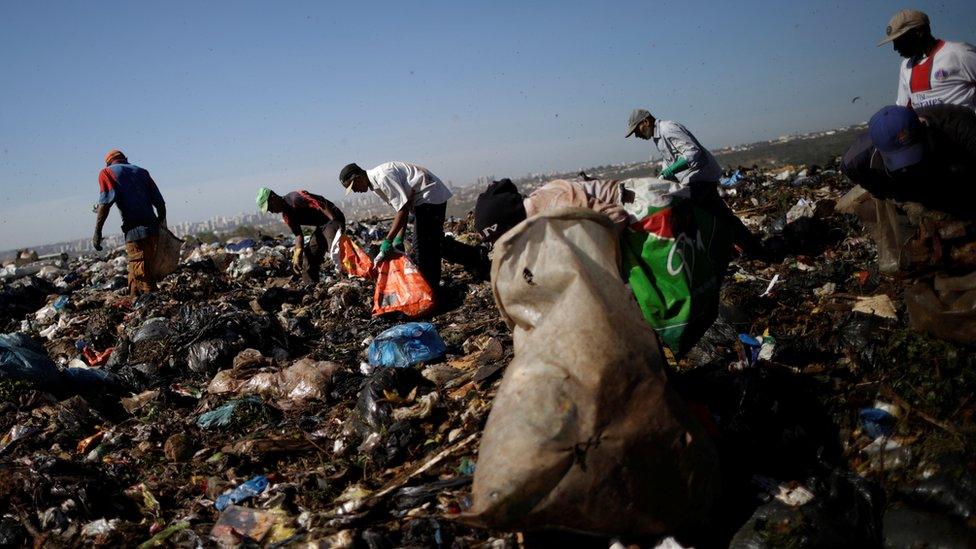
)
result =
(615, 212)
(101, 214)
(399, 222)
(296, 254)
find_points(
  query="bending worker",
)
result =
(407, 187)
(304, 209)
(136, 194)
(693, 170)
(926, 155)
(501, 207)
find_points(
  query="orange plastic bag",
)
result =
(353, 259)
(401, 287)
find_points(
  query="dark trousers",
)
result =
(428, 236)
(704, 194)
(318, 246)
(430, 244)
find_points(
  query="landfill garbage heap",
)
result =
(236, 406)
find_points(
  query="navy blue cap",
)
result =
(897, 134)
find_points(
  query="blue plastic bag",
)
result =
(732, 180)
(222, 416)
(22, 358)
(243, 492)
(406, 345)
(92, 380)
(876, 422)
(750, 348)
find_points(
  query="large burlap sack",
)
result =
(910, 237)
(888, 225)
(167, 257)
(892, 230)
(902, 232)
(585, 433)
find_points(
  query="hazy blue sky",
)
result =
(215, 99)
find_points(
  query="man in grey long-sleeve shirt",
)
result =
(686, 161)
(693, 170)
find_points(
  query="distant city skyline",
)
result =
(217, 99)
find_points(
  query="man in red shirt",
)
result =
(135, 193)
(302, 208)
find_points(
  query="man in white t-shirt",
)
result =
(407, 187)
(934, 72)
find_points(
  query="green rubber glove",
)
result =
(398, 241)
(385, 248)
(678, 165)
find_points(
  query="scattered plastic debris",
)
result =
(222, 416)
(849, 414)
(825, 290)
(732, 180)
(769, 288)
(253, 487)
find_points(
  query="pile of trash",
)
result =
(238, 406)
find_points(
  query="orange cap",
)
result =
(112, 154)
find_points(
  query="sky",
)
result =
(218, 98)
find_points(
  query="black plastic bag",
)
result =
(373, 411)
(210, 355)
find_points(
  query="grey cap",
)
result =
(636, 117)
